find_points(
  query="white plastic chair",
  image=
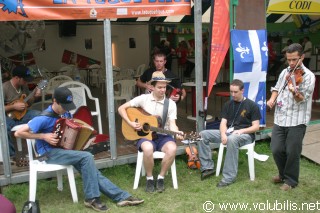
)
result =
(126, 89)
(68, 70)
(80, 91)
(250, 153)
(52, 84)
(125, 74)
(140, 69)
(37, 166)
(95, 74)
(140, 169)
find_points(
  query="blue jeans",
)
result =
(230, 167)
(93, 181)
(11, 123)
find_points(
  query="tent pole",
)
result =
(198, 63)
(109, 88)
(233, 5)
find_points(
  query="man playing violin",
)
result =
(292, 99)
(12, 91)
(159, 60)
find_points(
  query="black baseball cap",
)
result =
(64, 97)
(22, 72)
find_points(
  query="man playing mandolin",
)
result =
(15, 90)
(155, 104)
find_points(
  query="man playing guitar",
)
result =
(155, 104)
(12, 91)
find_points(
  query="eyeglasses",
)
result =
(294, 60)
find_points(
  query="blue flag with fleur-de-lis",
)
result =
(250, 54)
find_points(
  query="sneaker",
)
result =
(150, 186)
(207, 173)
(130, 201)
(223, 184)
(160, 185)
(96, 204)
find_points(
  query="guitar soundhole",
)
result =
(144, 131)
(146, 127)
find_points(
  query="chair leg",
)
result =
(32, 185)
(138, 169)
(174, 175)
(72, 184)
(220, 156)
(251, 163)
(59, 179)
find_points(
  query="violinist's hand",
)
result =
(175, 98)
(149, 88)
(293, 89)
(270, 103)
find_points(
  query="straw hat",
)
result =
(159, 76)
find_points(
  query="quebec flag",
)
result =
(250, 52)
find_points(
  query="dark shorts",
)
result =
(157, 143)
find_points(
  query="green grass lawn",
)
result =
(260, 194)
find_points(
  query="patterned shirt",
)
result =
(289, 112)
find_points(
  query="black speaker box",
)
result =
(67, 28)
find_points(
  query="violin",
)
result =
(173, 92)
(295, 76)
(193, 160)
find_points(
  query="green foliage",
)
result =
(192, 193)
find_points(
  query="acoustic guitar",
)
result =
(18, 115)
(150, 124)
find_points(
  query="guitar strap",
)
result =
(165, 111)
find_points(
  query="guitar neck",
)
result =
(29, 96)
(160, 130)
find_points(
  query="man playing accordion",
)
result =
(41, 128)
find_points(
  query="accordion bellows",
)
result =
(74, 134)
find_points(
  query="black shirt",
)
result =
(175, 81)
(240, 114)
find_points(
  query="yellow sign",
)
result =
(309, 7)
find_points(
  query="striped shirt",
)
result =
(289, 112)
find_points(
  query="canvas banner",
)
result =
(311, 7)
(220, 40)
(15, 10)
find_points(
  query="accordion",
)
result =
(73, 134)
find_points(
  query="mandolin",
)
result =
(18, 115)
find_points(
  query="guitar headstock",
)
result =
(192, 137)
(42, 84)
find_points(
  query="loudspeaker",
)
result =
(67, 28)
